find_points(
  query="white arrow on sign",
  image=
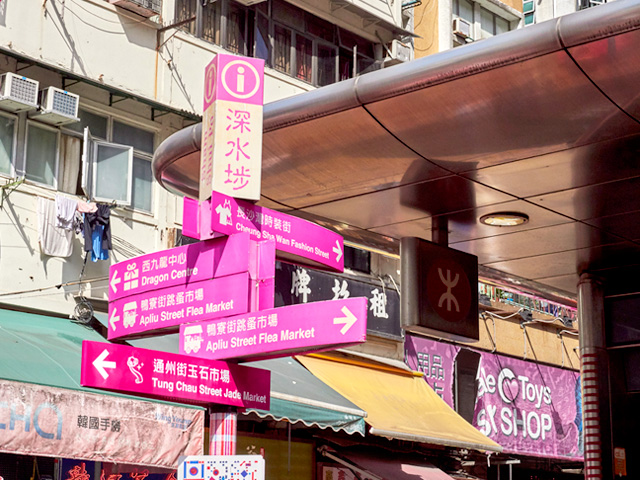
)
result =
(114, 318)
(348, 320)
(338, 251)
(115, 281)
(101, 363)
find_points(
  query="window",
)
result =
(492, 24)
(120, 170)
(41, 161)
(286, 37)
(529, 11)
(7, 144)
(582, 4)
(464, 10)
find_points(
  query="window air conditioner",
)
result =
(57, 107)
(18, 93)
(399, 52)
(461, 27)
(145, 8)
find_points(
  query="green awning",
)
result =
(40, 364)
(298, 396)
(47, 350)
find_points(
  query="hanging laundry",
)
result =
(54, 241)
(65, 211)
(87, 207)
(97, 233)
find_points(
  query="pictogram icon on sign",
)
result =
(448, 290)
(240, 79)
(448, 296)
(210, 83)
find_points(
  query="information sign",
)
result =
(279, 332)
(171, 376)
(231, 153)
(179, 266)
(164, 310)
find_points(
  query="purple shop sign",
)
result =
(528, 408)
(278, 332)
(164, 310)
(171, 376)
(179, 266)
(436, 361)
(297, 240)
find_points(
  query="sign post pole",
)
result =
(223, 427)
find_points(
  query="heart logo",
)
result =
(508, 385)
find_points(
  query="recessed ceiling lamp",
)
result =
(504, 219)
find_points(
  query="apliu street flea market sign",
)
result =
(279, 331)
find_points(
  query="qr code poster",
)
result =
(222, 467)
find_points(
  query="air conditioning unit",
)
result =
(57, 107)
(461, 27)
(145, 8)
(399, 52)
(18, 93)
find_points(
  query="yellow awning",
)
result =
(399, 403)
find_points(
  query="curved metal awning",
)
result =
(542, 120)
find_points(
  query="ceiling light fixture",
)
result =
(504, 219)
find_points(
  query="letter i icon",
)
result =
(240, 80)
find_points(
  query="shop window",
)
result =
(41, 159)
(7, 144)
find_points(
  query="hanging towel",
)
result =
(97, 233)
(54, 241)
(65, 211)
(84, 207)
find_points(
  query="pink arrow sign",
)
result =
(164, 310)
(278, 332)
(296, 239)
(179, 266)
(171, 376)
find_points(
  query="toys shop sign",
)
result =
(529, 408)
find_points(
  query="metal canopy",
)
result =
(542, 120)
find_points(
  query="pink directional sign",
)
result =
(179, 266)
(163, 310)
(171, 376)
(296, 239)
(303, 328)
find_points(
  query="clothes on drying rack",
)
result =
(97, 233)
(65, 211)
(54, 241)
